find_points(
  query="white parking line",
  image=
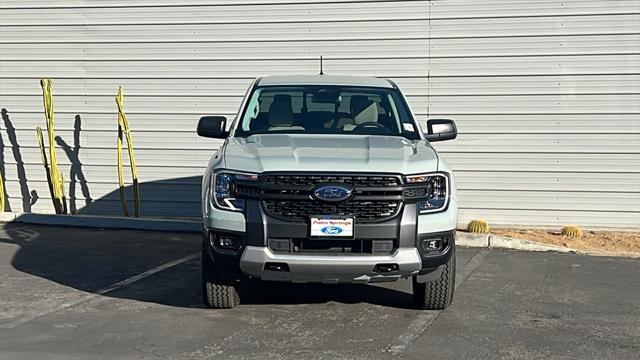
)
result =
(425, 319)
(27, 318)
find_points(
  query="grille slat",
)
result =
(312, 180)
(335, 247)
(361, 210)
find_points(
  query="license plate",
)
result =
(331, 227)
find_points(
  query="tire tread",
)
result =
(216, 295)
(438, 294)
(221, 296)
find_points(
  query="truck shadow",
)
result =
(91, 260)
(177, 198)
(276, 293)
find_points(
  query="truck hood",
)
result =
(329, 153)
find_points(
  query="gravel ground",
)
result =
(598, 242)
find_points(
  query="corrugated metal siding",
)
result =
(546, 93)
(547, 97)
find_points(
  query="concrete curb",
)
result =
(103, 222)
(472, 240)
(7, 217)
(503, 242)
(526, 245)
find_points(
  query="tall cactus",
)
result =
(54, 177)
(123, 128)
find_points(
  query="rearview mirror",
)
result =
(441, 130)
(326, 97)
(213, 127)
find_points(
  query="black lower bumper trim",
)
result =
(437, 257)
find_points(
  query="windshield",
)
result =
(326, 110)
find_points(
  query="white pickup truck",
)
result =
(327, 179)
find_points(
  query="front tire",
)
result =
(437, 294)
(215, 294)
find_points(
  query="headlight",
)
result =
(436, 191)
(221, 189)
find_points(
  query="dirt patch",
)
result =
(600, 242)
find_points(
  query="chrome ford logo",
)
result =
(331, 230)
(332, 193)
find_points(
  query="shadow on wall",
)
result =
(3, 169)
(177, 198)
(28, 198)
(75, 174)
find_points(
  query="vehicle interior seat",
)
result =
(284, 98)
(363, 111)
(281, 114)
(356, 105)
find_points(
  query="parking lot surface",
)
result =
(71, 293)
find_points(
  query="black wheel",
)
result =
(215, 294)
(437, 294)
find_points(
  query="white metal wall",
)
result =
(546, 93)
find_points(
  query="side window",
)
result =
(253, 110)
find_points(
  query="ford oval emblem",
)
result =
(332, 193)
(331, 230)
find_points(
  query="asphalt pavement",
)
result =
(72, 293)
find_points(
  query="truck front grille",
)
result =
(289, 196)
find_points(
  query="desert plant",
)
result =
(478, 226)
(571, 231)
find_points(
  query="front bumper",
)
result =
(408, 229)
(328, 268)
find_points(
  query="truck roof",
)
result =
(342, 80)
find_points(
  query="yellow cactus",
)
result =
(478, 226)
(123, 128)
(571, 231)
(54, 176)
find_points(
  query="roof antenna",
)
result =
(321, 70)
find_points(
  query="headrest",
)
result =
(280, 112)
(284, 98)
(358, 103)
(368, 114)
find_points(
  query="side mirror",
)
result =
(213, 127)
(441, 130)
